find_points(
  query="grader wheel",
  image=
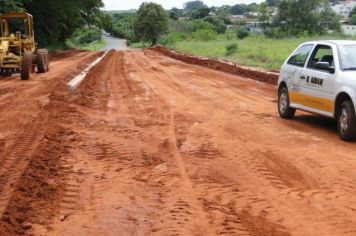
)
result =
(42, 60)
(26, 67)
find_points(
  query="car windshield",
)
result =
(348, 57)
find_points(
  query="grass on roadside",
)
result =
(94, 46)
(254, 51)
(139, 45)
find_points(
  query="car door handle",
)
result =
(302, 77)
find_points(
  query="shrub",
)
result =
(276, 33)
(230, 35)
(219, 25)
(231, 49)
(204, 35)
(202, 25)
(242, 33)
(172, 38)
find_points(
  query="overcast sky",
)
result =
(167, 4)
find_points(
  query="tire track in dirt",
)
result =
(152, 146)
(272, 171)
(202, 226)
(22, 170)
(17, 158)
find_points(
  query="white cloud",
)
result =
(167, 4)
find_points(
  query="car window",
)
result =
(348, 57)
(322, 53)
(300, 56)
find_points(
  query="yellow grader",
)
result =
(18, 53)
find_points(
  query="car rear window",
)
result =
(301, 55)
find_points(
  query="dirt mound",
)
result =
(225, 66)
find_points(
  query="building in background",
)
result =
(349, 29)
(344, 8)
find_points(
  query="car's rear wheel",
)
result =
(346, 121)
(284, 109)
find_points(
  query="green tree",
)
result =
(305, 16)
(353, 20)
(151, 22)
(11, 6)
(90, 11)
(264, 16)
(56, 20)
(193, 5)
(201, 13)
(329, 20)
(106, 21)
(175, 13)
(239, 9)
(272, 3)
(353, 12)
(219, 24)
(223, 11)
(123, 25)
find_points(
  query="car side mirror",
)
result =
(323, 65)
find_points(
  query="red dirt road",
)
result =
(148, 145)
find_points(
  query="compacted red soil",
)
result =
(148, 145)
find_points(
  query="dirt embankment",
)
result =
(33, 143)
(224, 66)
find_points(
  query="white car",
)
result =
(320, 77)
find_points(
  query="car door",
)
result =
(293, 70)
(318, 79)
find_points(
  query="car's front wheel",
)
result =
(346, 121)
(284, 109)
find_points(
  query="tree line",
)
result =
(56, 20)
(278, 18)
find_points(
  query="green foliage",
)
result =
(84, 38)
(182, 26)
(241, 9)
(242, 33)
(231, 49)
(194, 5)
(264, 15)
(151, 22)
(313, 16)
(353, 19)
(329, 20)
(219, 24)
(272, 3)
(256, 51)
(353, 12)
(202, 25)
(223, 11)
(275, 33)
(11, 6)
(56, 20)
(175, 13)
(204, 35)
(172, 38)
(122, 26)
(200, 13)
(227, 21)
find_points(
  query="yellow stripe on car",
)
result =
(322, 104)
